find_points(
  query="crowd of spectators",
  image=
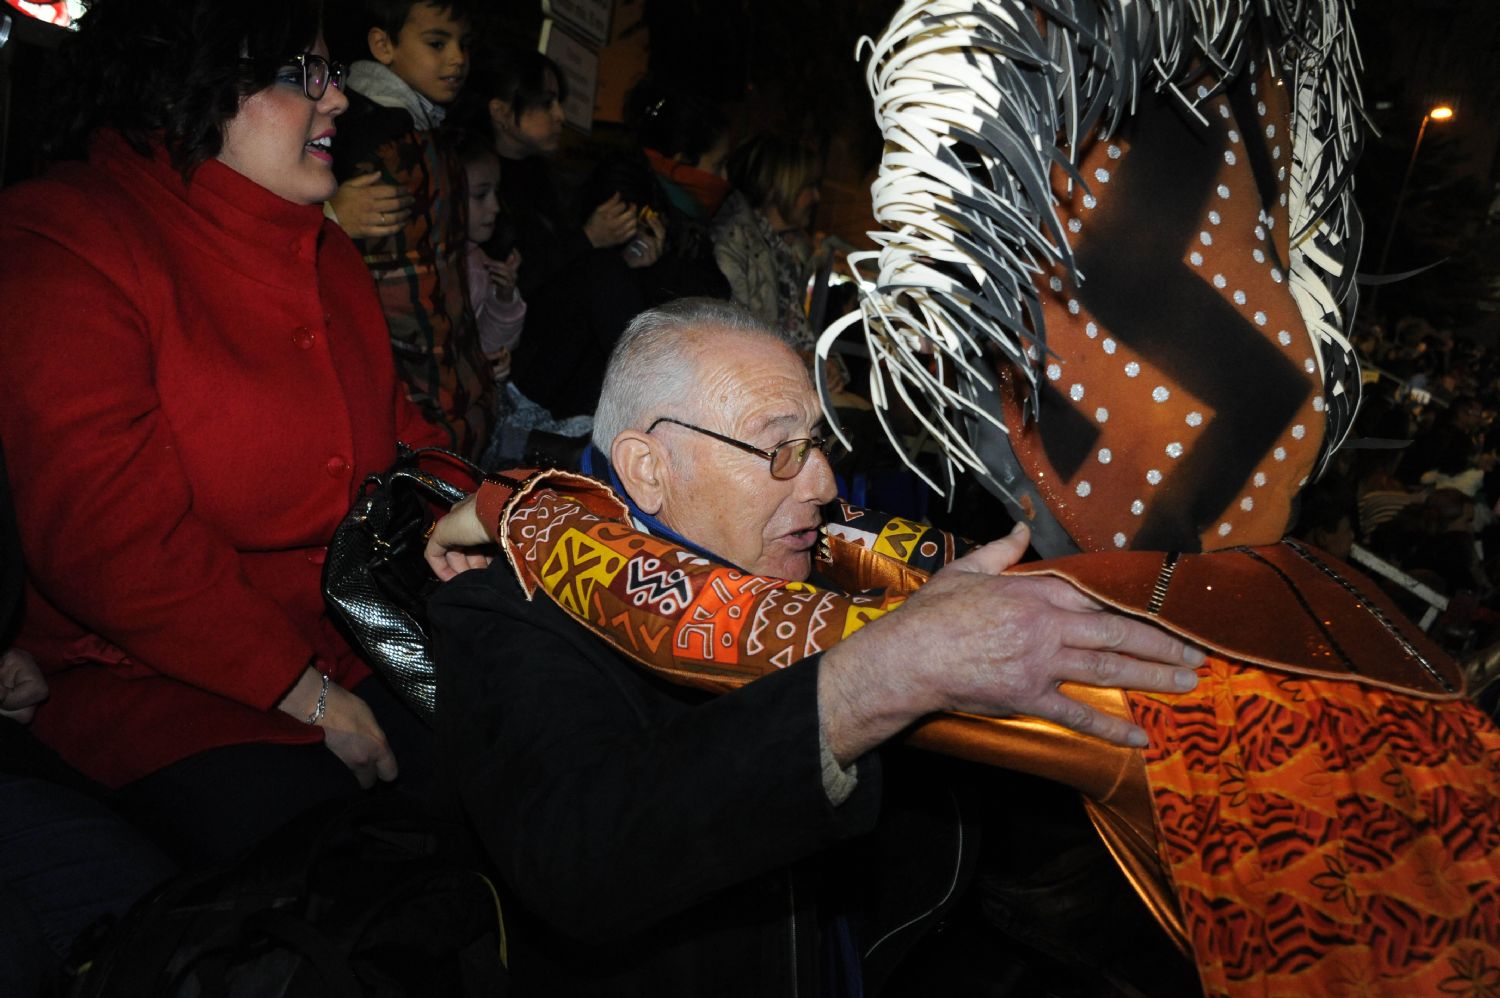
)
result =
(1416, 484)
(205, 159)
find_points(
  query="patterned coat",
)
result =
(419, 272)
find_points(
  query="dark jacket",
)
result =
(579, 299)
(657, 841)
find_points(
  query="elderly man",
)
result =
(662, 842)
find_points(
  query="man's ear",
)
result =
(642, 469)
(382, 46)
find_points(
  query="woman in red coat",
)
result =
(195, 379)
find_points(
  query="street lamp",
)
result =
(1441, 112)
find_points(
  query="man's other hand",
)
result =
(453, 545)
(22, 686)
(977, 641)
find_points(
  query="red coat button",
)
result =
(303, 337)
(337, 467)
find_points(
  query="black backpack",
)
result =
(363, 899)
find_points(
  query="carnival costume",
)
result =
(1119, 241)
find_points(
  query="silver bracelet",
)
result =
(322, 707)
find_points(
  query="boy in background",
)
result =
(397, 101)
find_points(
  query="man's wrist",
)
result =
(838, 781)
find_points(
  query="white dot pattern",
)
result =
(1101, 175)
(1195, 418)
(1239, 297)
(1284, 338)
(1279, 453)
(1224, 529)
(1073, 306)
(1260, 318)
(1119, 540)
(1223, 191)
(1108, 345)
(1219, 281)
(1101, 414)
(1153, 476)
(1055, 283)
(1299, 431)
(1083, 489)
(1089, 201)
(1247, 504)
(1092, 330)
(1260, 479)
(1105, 455)
(1132, 369)
(1054, 371)
(1229, 156)
(1205, 239)
(1174, 450)
(1113, 151)
(1196, 258)
(1137, 507)
(1160, 394)
(1076, 393)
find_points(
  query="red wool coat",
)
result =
(194, 380)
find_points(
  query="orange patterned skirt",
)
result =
(1327, 838)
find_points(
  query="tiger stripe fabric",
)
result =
(1327, 838)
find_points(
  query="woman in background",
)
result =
(761, 238)
(197, 380)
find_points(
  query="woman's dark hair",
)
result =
(675, 123)
(518, 77)
(176, 69)
(473, 145)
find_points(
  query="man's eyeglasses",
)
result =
(786, 458)
(317, 74)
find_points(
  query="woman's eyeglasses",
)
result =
(317, 74)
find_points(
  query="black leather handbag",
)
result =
(375, 579)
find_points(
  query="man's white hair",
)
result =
(655, 361)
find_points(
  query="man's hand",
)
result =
(611, 224)
(976, 641)
(366, 208)
(22, 686)
(452, 547)
(349, 728)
